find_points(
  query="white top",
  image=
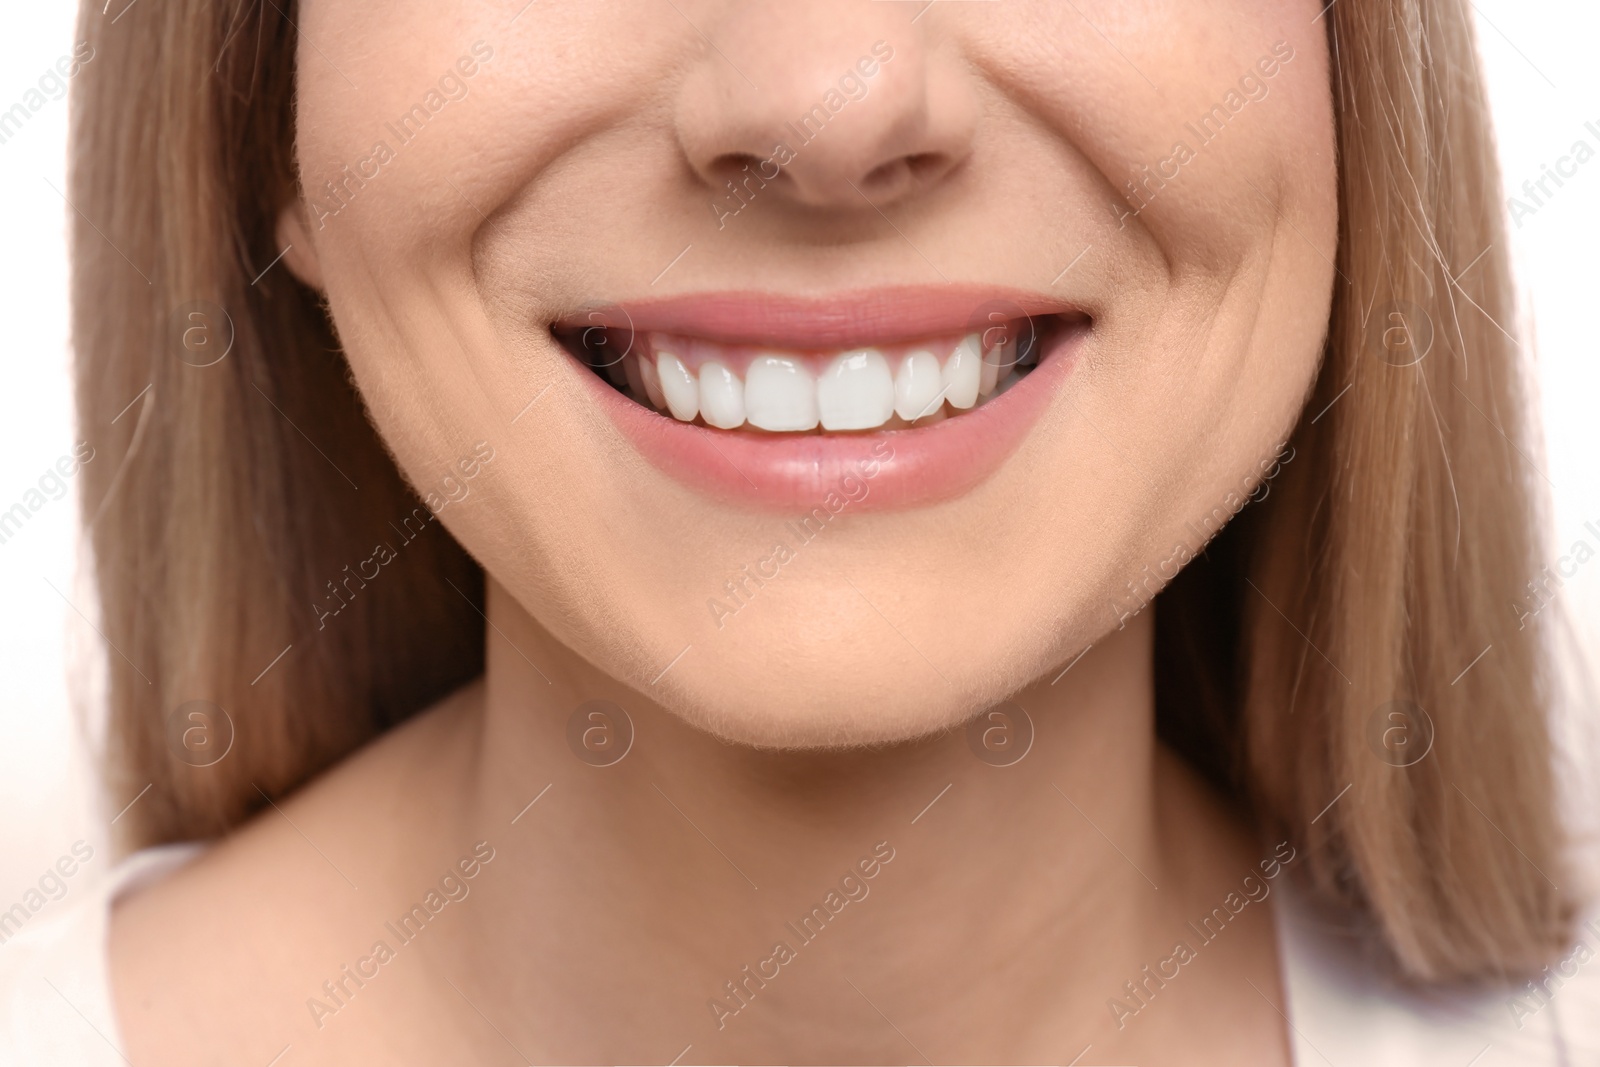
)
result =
(55, 982)
(1344, 1010)
(56, 1008)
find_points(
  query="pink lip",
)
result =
(869, 317)
(875, 470)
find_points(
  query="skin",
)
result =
(1020, 902)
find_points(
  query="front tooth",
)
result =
(780, 394)
(856, 392)
(678, 387)
(652, 382)
(917, 385)
(962, 372)
(721, 396)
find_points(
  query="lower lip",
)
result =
(886, 469)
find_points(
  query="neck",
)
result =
(822, 904)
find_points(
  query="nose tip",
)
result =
(844, 119)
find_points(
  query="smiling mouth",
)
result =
(771, 389)
(773, 401)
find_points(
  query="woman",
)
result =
(638, 533)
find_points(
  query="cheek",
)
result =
(1230, 235)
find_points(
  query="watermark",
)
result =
(853, 887)
(199, 733)
(339, 192)
(1141, 190)
(1001, 736)
(51, 886)
(1400, 334)
(449, 490)
(740, 589)
(451, 888)
(1542, 990)
(853, 85)
(600, 733)
(1400, 733)
(52, 85)
(1542, 589)
(1254, 486)
(200, 333)
(607, 336)
(1141, 990)
(1006, 326)
(1537, 191)
(51, 485)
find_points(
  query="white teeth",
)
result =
(652, 382)
(990, 374)
(780, 394)
(856, 392)
(678, 387)
(962, 372)
(917, 385)
(721, 396)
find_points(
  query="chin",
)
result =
(825, 714)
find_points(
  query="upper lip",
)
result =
(857, 318)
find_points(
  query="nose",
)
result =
(831, 105)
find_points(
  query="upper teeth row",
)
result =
(857, 390)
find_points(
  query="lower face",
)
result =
(819, 344)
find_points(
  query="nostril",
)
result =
(886, 174)
(925, 166)
(742, 174)
(734, 163)
(898, 176)
(739, 178)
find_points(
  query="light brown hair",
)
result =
(1385, 558)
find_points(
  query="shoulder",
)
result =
(224, 951)
(1345, 1009)
(54, 990)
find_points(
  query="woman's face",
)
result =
(845, 365)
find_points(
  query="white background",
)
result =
(1545, 84)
